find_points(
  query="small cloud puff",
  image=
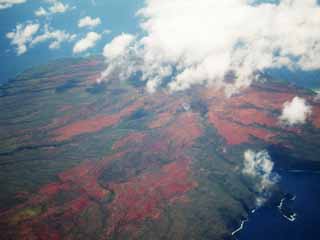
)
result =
(56, 7)
(259, 166)
(89, 22)
(295, 112)
(56, 36)
(87, 42)
(41, 12)
(27, 35)
(22, 36)
(9, 3)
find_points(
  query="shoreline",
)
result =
(290, 217)
(240, 228)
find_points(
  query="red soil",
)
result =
(235, 133)
(143, 197)
(250, 116)
(93, 79)
(46, 233)
(81, 181)
(262, 99)
(86, 176)
(161, 120)
(94, 124)
(132, 138)
(184, 130)
(139, 198)
(90, 63)
(316, 116)
(62, 78)
(43, 233)
(53, 188)
(238, 118)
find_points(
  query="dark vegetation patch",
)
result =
(135, 80)
(198, 105)
(140, 113)
(67, 86)
(133, 165)
(97, 88)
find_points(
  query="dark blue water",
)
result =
(268, 223)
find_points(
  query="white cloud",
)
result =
(55, 8)
(317, 97)
(22, 36)
(41, 12)
(204, 41)
(118, 46)
(28, 35)
(89, 22)
(106, 31)
(295, 112)
(58, 7)
(117, 54)
(87, 42)
(9, 3)
(259, 166)
(55, 36)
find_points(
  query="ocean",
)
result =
(303, 200)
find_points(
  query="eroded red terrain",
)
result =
(94, 124)
(184, 130)
(144, 196)
(132, 138)
(235, 133)
(135, 200)
(161, 120)
(316, 116)
(80, 196)
(253, 113)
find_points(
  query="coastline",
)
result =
(292, 216)
(240, 228)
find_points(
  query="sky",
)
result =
(115, 17)
(173, 44)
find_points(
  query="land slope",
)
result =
(81, 160)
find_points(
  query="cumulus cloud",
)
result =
(117, 54)
(118, 47)
(55, 7)
(41, 12)
(200, 43)
(89, 22)
(25, 36)
(259, 166)
(56, 37)
(87, 42)
(317, 97)
(296, 111)
(58, 7)
(22, 36)
(9, 3)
